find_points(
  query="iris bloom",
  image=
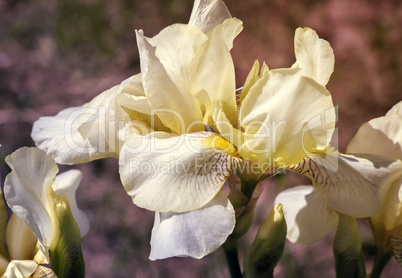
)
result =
(367, 179)
(179, 130)
(36, 195)
(383, 136)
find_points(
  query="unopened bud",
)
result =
(349, 261)
(268, 246)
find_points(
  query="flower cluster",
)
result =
(180, 130)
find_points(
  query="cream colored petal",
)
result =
(313, 55)
(207, 14)
(59, 137)
(381, 136)
(252, 78)
(285, 116)
(167, 173)
(353, 184)
(21, 242)
(20, 269)
(167, 72)
(395, 111)
(390, 215)
(196, 233)
(25, 190)
(214, 86)
(68, 183)
(103, 119)
(308, 215)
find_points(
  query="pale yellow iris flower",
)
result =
(179, 131)
(34, 193)
(364, 183)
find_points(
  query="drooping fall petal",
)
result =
(164, 172)
(352, 184)
(195, 233)
(308, 215)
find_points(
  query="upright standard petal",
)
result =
(168, 173)
(382, 136)
(308, 215)
(313, 55)
(207, 14)
(68, 183)
(25, 190)
(59, 137)
(167, 71)
(352, 184)
(213, 86)
(285, 116)
(195, 233)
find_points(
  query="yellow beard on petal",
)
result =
(220, 143)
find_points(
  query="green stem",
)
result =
(380, 262)
(248, 187)
(232, 257)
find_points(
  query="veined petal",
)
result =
(68, 183)
(313, 55)
(168, 173)
(285, 116)
(214, 86)
(207, 14)
(59, 137)
(25, 190)
(20, 269)
(352, 184)
(167, 71)
(195, 233)
(381, 136)
(308, 215)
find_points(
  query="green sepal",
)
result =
(349, 260)
(268, 246)
(67, 258)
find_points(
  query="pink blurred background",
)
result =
(58, 54)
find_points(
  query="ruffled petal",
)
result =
(25, 190)
(395, 111)
(167, 173)
(167, 71)
(381, 136)
(285, 116)
(313, 55)
(68, 183)
(213, 86)
(196, 233)
(207, 14)
(352, 184)
(308, 215)
(19, 269)
(59, 137)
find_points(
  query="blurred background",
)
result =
(58, 54)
